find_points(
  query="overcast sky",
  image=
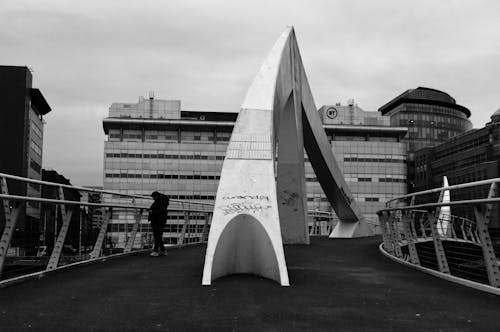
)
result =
(87, 54)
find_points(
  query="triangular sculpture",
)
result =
(261, 200)
(444, 211)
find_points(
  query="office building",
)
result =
(371, 154)
(469, 157)
(154, 145)
(432, 117)
(21, 139)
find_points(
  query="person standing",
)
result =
(158, 217)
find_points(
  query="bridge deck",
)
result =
(340, 285)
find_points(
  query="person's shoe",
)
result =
(154, 254)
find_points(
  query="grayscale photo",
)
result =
(216, 165)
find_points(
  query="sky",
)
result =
(86, 55)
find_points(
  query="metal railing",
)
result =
(63, 212)
(320, 223)
(424, 236)
(93, 243)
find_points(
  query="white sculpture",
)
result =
(261, 199)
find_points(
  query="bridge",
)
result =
(363, 284)
(430, 269)
(336, 285)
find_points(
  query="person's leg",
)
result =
(157, 235)
(161, 246)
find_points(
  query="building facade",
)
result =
(469, 157)
(432, 117)
(371, 154)
(21, 138)
(154, 145)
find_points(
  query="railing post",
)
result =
(184, 227)
(410, 242)
(59, 244)
(482, 222)
(329, 226)
(312, 224)
(464, 236)
(383, 218)
(438, 245)
(422, 226)
(396, 236)
(452, 228)
(204, 236)
(413, 229)
(131, 240)
(11, 217)
(102, 233)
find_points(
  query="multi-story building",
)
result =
(371, 154)
(432, 117)
(472, 156)
(153, 145)
(21, 139)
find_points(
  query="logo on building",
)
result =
(331, 112)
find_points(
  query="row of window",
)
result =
(217, 177)
(375, 159)
(429, 124)
(162, 176)
(35, 166)
(324, 199)
(35, 147)
(175, 138)
(171, 215)
(163, 156)
(426, 111)
(472, 144)
(36, 129)
(169, 228)
(369, 179)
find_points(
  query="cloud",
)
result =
(86, 55)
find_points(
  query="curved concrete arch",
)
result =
(244, 246)
(263, 174)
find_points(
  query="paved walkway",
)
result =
(337, 285)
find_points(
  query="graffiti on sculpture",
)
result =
(251, 203)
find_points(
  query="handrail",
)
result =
(124, 206)
(439, 204)
(455, 246)
(55, 184)
(453, 187)
(61, 217)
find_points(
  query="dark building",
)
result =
(21, 139)
(432, 117)
(472, 156)
(51, 216)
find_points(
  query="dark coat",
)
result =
(158, 210)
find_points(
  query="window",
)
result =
(36, 129)
(35, 166)
(35, 147)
